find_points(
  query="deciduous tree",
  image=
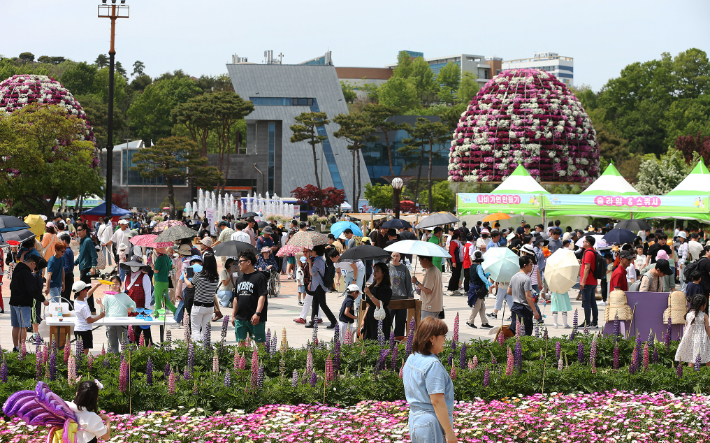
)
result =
(432, 133)
(356, 130)
(319, 198)
(176, 158)
(307, 130)
(380, 116)
(449, 79)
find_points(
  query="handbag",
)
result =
(380, 313)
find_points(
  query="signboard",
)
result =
(588, 204)
(210, 219)
(474, 203)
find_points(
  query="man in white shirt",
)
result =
(104, 235)
(122, 237)
(682, 257)
(695, 249)
(239, 234)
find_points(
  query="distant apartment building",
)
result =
(559, 66)
(484, 68)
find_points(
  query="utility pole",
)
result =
(112, 12)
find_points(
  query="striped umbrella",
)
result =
(148, 241)
(308, 239)
(163, 225)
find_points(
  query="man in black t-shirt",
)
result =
(250, 304)
(660, 245)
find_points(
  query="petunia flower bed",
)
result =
(528, 117)
(611, 416)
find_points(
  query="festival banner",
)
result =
(513, 204)
(591, 204)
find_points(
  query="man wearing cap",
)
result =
(86, 262)
(266, 241)
(618, 278)
(521, 229)
(138, 287)
(348, 315)
(652, 281)
(24, 290)
(104, 235)
(122, 236)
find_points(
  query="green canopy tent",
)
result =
(696, 187)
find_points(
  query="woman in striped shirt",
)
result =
(205, 284)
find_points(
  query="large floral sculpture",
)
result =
(528, 117)
(19, 91)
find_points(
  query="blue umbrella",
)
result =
(502, 263)
(337, 228)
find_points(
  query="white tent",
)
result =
(696, 183)
(610, 183)
(520, 182)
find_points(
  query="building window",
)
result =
(130, 177)
(272, 155)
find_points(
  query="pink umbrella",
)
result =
(148, 241)
(288, 251)
(163, 225)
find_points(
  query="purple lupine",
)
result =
(536, 332)
(451, 359)
(38, 366)
(634, 362)
(655, 354)
(586, 328)
(679, 370)
(3, 370)
(380, 334)
(260, 378)
(410, 341)
(207, 337)
(190, 356)
(294, 379)
(669, 331)
(381, 361)
(314, 379)
(336, 334)
(149, 372)
(106, 363)
(545, 336)
(697, 363)
(123, 377)
(412, 326)
(336, 358)
(493, 360)
(580, 352)
(225, 325)
(486, 377)
(79, 350)
(617, 330)
(166, 371)
(593, 355)
(575, 323)
(53, 366)
(392, 342)
(615, 364)
(394, 357)
(227, 379)
(519, 356)
(462, 357)
(315, 332)
(185, 374)
(558, 350)
(651, 337)
(638, 349)
(267, 342)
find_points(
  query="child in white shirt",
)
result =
(92, 426)
(300, 282)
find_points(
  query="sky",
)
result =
(200, 37)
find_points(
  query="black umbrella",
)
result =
(437, 220)
(633, 225)
(9, 223)
(364, 252)
(175, 233)
(126, 217)
(126, 266)
(396, 223)
(232, 248)
(262, 224)
(250, 214)
(19, 236)
(619, 236)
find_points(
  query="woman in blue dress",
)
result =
(428, 387)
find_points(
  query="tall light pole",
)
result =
(397, 184)
(112, 12)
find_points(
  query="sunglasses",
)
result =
(244, 261)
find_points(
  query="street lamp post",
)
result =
(112, 12)
(397, 184)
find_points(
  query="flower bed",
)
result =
(611, 416)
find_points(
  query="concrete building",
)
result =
(559, 66)
(281, 92)
(484, 68)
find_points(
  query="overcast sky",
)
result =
(200, 36)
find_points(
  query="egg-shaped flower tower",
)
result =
(528, 117)
(19, 91)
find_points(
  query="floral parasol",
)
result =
(148, 241)
(163, 225)
(289, 251)
(524, 117)
(308, 239)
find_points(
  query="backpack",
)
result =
(635, 286)
(599, 271)
(690, 268)
(476, 289)
(329, 276)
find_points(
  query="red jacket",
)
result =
(467, 255)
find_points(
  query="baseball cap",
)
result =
(663, 266)
(79, 286)
(353, 288)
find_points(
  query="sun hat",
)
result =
(267, 230)
(207, 242)
(662, 255)
(527, 249)
(123, 222)
(184, 250)
(265, 249)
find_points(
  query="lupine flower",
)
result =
(586, 328)
(313, 380)
(462, 358)
(225, 325)
(227, 379)
(381, 362)
(697, 363)
(615, 363)
(131, 335)
(575, 323)
(593, 355)
(510, 363)
(282, 368)
(669, 331)
(185, 374)
(580, 353)
(254, 368)
(195, 389)
(394, 353)
(141, 339)
(392, 342)
(617, 330)
(401, 370)
(106, 363)
(655, 353)
(215, 363)
(185, 326)
(90, 362)
(456, 331)
(171, 381)
(315, 332)
(329, 369)
(260, 377)
(634, 362)
(501, 338)
(52, 366)
(166, 371)
(149, 372)
(410, 341)
(309, 361)
(536, 332)
(451, 359)
(348, 338)
(79, 349)
(123, 377)
(243, 362)
(267, 342)
(207, 337)
(519, 327)
(453, 373)
(560, 364)
(645, 356)
(679, 370)
(3, 370)
(236, 361)
(336, 358)
(486, 377)
(474, 362)
(284, 342)
(190, 356)
(23, 351)
(380, 334)
(67, 351)
(294, 379)
(493, 360)
(45, 354)
(558, 350)
(544, 335)
(71, 372)
(518, 355)
(651, 337)
(168, 340)
(38, 366)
